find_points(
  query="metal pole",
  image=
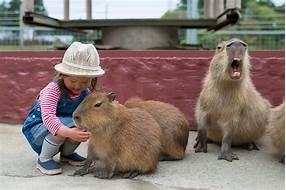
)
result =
(66, 9)
(208, 8)
(230, 4)
(192, 12)
(88, 9)
(106, 9)
(26, 6)
(218, 7)
(238, 4)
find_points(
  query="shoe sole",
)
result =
(71, 162)
(49, 172)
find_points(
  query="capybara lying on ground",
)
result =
(126, 140)
(276, 129)
(230, 110)
(174, 125)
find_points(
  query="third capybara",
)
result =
(175, 126)
(276, 129)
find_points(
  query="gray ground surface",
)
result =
(255, 169)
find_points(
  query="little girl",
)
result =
(49, 127)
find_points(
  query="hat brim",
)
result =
(67, 70)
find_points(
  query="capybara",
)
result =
(126, 140)
(174, 125)
(276, 128)
(230, 111)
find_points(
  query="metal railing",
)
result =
(259, 35)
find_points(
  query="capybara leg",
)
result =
(105, 173)
(250, 146)
(90, 162)
(85, 169)
(130, 174)
(283, 159)
(226, 153)
(201, 141)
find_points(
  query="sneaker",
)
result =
(73, 159)
(49, 167)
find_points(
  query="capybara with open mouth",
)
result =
(230, 111)
(175, 126)
(126, 140)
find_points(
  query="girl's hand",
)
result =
(74, 133)
(78, 135)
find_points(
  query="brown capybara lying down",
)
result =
(230, 110)
(174, 125)
(276, 128)
(126, 140)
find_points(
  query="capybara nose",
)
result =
(236, 49)
(76, 117)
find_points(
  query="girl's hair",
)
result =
(60, 81)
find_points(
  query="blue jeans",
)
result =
(39, 132)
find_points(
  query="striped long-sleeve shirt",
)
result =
(49, 97)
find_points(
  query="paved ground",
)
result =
(255, 170)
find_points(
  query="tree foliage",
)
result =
(256, 15)
(258, 8)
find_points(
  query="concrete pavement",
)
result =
(255, 170)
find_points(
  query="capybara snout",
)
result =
(76, 117)
(231, 62)
(93, 110)
(235, 50)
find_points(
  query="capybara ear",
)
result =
(111, 96)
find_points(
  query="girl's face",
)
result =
(76, 84)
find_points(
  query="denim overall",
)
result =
(34, 129)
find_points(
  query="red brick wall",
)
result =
(169, 76)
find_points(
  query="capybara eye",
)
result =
(98, 104)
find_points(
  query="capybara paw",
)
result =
(250, 146)
(200, 149)
(103, 174)
(229, 156)
(130, 174)
(201, 143)
(81, 172)
(200, 146)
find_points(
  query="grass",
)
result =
(24, 48)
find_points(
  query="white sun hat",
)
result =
(80, 60)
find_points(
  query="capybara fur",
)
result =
(174, 125)
(276, 129)
(230, 111)
(126, 140)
